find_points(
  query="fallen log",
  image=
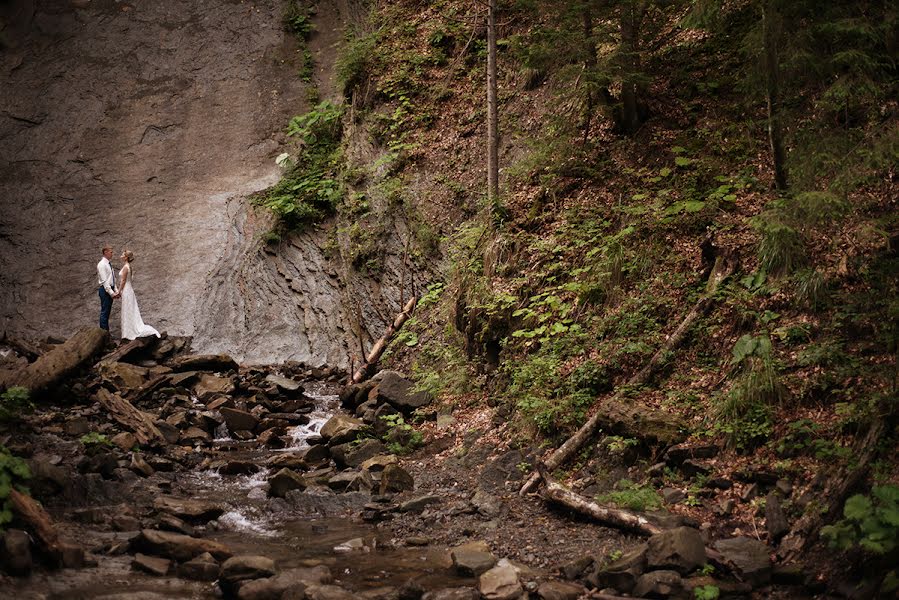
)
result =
(64, 553)
(622, 519)
(124, 413)
(126, 349)
(29, 350)
(378, 349)
(616, 414)
(58, 362)
(204, 362)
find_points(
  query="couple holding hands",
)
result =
(132, 324)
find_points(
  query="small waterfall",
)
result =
(325, 405)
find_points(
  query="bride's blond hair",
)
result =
(129, 255)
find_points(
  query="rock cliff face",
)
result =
(146, 125)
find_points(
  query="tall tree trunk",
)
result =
(492, 125)
(590, 61)
(772, 93)
(631, 18)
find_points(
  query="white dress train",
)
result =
(132, 324)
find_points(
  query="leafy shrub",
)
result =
(870, 522)
(14, 402)
(781, 249)
(13, 474)
(297, 20)
(401, 438)
(354, 63)
(811, 288)
(94, 440)
(310, 190)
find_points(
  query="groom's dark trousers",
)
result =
(105, 308)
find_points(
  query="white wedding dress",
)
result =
(132, 324)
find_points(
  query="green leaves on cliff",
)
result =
(311, 188)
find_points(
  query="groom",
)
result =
(106, 276)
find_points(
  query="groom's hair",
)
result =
(106, 247)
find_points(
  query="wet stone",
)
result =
(15, 552)
(241, 568)
(501, 582)
(193, 510)
(353, 454)
(238, 420)
(472, 559)
(658, 584)
(125, 523)
(284, 481)
(560, 590)
(239, 467)
(176, 546)
(681, 549)
(328, 592)
(202, 568)
(151, 564)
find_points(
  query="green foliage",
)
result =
(94, 440)
(706, 592)
(14, 402)
(811, 288)
(297, 20)
(744, 412)
(632, 496)
(781, 249)
(870, 523)
(432, 296)
(311, 189)
(14, 473)
(401, 438)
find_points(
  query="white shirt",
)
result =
(104, 275)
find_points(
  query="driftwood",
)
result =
(58, 362)
(378, 349)
(805, 532)
(616, 414)
(38, 520)
(124, 413)
(622, 519)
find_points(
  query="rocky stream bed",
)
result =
(279, 482)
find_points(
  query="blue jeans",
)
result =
(105, 308)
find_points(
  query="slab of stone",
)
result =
(295, 580)
(243, 567)
(398, 392)
(775, 519)
(416, 505)
(680, 549)
(352, 454)
(658, 584)
(284, 481)
(501, 582)
(210, 386)
(177, 546)
(472, 559)
(198, 511)
(395, 479)
(748, 556)
(151, 564)
(340, 429)
(77, 426)
(459, 593)
(204, 362)
(286, 385)
(328, 592)
(201, 568)
(238, 420)
(124, 441)
(560, 590)
(623, 573)
(15, 552)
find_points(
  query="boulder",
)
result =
(151, 564)
(140, 466)
(486, 504)
(125, 441)
(284, 481)
(472, 559)
(395, 479)
(378, 463)
(380, 421)
(77, 427)
(328, 592)
(678, 453)
(122, 376)
(352, 454)
(204, 362)
(176, 546)
(416, 505)
(210, 386)
(295, 580)
(201, 568)
(749, 558)
(170, 433)
(286, 386)
(238, 420)
(658, 584)
(244, 567)
(340, 429)
(239, 467)
(680, 549)
(501, 582)
(624, 572)
(398, 392)
(194, 434)
(196, 511)
(15, 552)
(560, 590)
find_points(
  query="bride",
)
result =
(132, 324)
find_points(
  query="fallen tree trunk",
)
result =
(805, 532)
(378, 349)
(124, 413)
(58, 362)
(126, 349)
(615, 517)
(631, 419)
(38, 521)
